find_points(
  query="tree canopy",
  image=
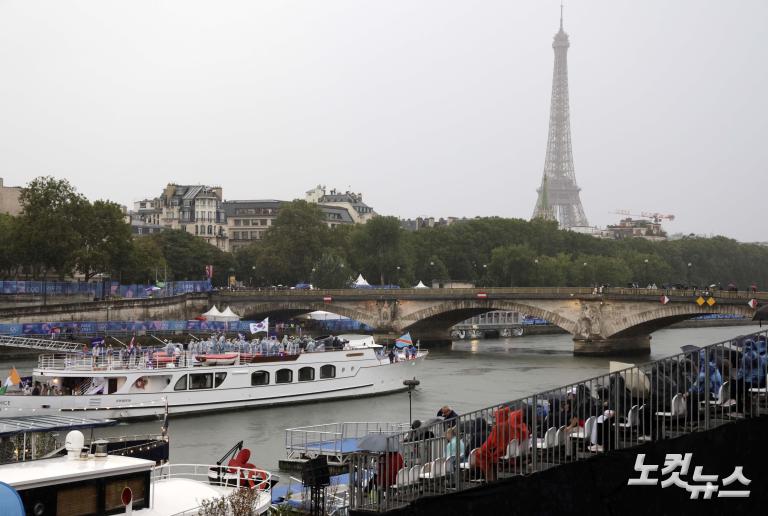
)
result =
(60, 232)
(496, 252)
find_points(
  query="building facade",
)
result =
(9, 199)
(352, 202)
(636, 228)
(195, 209)
(248, 221)
(428, 222)
(229, 225)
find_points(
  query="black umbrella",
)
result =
(380, 442)
(761, 314)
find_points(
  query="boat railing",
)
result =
(693, 391)
(221, 476)
(109, 362)
(118, 361)
(334, 440)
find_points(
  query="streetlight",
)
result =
(411, 384)
(397, 278)
(646, 272)
(585, 273)
(536, 267)
(253, 273)
(689, 274)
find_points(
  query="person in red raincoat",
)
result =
(389, 464)
(508, 425)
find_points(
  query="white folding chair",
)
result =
(677, 409)
(632, 418)
(548, 441)
(470, 462)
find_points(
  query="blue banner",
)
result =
(101, 289)
(62, 329)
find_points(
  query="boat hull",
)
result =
(368, 379)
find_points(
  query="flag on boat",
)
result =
(404, 341)
(97, 341)
(13, 379)
(752, 303)
(263, 326)
(209, 271)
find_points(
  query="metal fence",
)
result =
(335, 440)
(695, 390)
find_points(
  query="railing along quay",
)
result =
(698, 389)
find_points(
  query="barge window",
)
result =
(200, 381)
(181, 384)
(82, 499)
(284, 376)
(219, 379)
(306, 374)
(260, 378)
(328, 371)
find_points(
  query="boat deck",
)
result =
(347, 445)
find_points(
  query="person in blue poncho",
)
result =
(751, 373)
(715, 378)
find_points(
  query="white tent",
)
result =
(213, 314)
(360, 282)
(228, 315)
(321, 315)
(421, 285)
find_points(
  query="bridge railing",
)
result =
(493, 291)
(695, 390)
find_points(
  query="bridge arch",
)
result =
(444, 315)
(260, 310)
(648, 321)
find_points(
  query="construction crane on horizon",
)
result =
(655, 216)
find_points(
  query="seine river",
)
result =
(466, 375)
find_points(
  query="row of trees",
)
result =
(60, 232)
(487, 251)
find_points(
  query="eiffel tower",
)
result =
(559, 195)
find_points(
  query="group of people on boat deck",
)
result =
(398, 354)
(215, 344)
(264, 346)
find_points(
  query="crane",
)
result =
(655, 216)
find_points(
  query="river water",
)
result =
(466, 375)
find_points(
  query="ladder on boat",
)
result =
(40, 344)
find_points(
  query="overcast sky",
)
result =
(426, 107)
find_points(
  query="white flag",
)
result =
(262, 326)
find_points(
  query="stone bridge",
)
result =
(616, 321)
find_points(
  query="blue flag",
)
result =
(404, 341)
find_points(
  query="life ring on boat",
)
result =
(261, 476)
(141, 383)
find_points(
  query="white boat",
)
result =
(99, 483)
(141, 385)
